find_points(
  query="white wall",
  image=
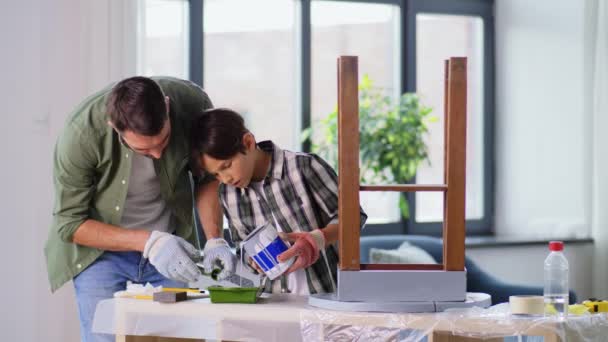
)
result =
(53, 54)
(542, 147)
(543, 138)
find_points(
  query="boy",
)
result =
(260, 183)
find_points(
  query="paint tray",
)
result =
(244, 295)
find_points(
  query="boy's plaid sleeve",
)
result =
(324, 182)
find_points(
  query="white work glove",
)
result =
(217, 253)
(172, 256)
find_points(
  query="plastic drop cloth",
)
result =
(289, 318)
(272, 319)
(325, 325)
(476, 323)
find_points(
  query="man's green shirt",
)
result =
(91, 175)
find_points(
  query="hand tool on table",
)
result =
(166, 294)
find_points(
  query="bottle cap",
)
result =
(556, 246)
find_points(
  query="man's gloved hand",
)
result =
(172, 256)
(306, 246)
(218, 251)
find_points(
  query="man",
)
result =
(123, 204)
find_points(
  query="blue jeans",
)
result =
(108, 274)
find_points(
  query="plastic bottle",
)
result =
(556, 281)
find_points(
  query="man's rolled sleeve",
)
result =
(73, 171)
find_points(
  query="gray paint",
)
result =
(243, 277)
(329, 301)
(390, 286)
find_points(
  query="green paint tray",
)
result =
(244, 295)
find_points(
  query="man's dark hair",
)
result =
(217, 133)
(137, 104)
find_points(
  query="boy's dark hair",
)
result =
(217, 133)
(137, 104)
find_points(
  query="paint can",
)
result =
(264, 245)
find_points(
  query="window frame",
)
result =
(484, 9)
(409, 9)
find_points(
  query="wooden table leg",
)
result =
(446, 336)
(551, 337)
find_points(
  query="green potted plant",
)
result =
(392, 134)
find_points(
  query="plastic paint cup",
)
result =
(264, 245)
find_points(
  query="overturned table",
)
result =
(290, 318)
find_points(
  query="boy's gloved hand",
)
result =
(172, 256)
(306, 246)
(218, 250)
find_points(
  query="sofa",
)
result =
(477, 279)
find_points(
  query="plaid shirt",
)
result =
(302, 193)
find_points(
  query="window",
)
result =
(437, 38)
(162, 44)
(370, 31)
(441, 29)
(274, 61)
(249, 63)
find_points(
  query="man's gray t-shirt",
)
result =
(144, 207)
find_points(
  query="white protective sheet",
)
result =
(477, 323)
(269, 320)
(289, 318)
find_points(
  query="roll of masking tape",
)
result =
(527, 305)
